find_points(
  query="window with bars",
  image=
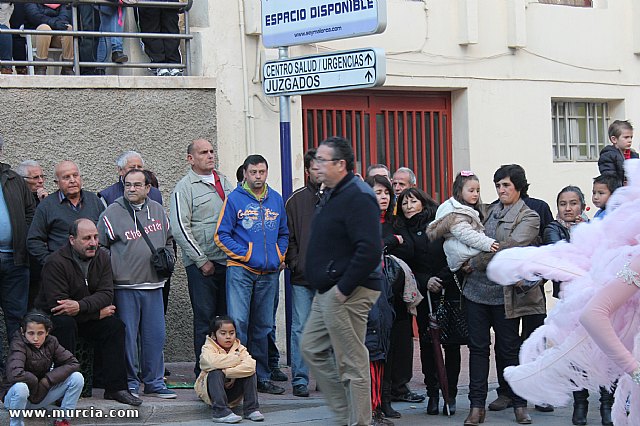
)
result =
(396, 129)
(579, 130)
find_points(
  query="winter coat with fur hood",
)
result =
(463, 232)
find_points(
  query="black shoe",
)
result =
(579, 417)
(408, 397)
(278, 376)
(388, 410)
(268, 387)
(545, 408)
(119, 57)
(301, 391)
(123, 397)
(433, 405)
(450, 407)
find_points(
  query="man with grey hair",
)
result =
(32, 174)
(128, 160)
(55, 214)
(403, 178)
(16, 212)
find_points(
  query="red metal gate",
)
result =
(398, 129)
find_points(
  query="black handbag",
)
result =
(452, 320)
(162, 259)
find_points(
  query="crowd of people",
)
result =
(104, 18)
(366, 257)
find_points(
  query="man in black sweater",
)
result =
(55, 214)
(343, 264)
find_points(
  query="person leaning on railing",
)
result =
(47, 17)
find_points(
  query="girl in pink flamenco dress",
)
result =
(592, 336)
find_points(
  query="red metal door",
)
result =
(398, 129)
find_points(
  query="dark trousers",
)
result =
(480, 319)
(14, 290)
(165, 21)
(107, 336)
(272, 349)
(452, 356)
(208, 299)
(399, 364)
(220, 397)
(89, 21)
(19, 42)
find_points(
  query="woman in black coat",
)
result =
(429, 265)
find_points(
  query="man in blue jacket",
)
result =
(252, 230)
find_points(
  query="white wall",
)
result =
(501, 96)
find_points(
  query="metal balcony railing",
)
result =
(77, 64)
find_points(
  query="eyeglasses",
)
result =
(36, 177)
(136, 185)
(324, 160)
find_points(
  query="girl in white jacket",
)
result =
(459, 221)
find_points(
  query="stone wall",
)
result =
(92, 127)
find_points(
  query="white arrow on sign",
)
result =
(344, 70)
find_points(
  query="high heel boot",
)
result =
(580, 407)
(475, 417)
(606, 402)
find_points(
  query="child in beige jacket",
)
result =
(228, 375)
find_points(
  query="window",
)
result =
(579, 130)
(578, 3)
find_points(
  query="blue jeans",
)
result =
(6, 45)
(69, 391)
(274, 353)
(301, 305)
(250, 300)
(208, 300)
(14, 293)
(142, 313)
(109, 22)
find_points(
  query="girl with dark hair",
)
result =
(30, 381)
(228, 374)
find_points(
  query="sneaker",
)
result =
(408, 397)
(229, 418)
(278, 376)
(175, 72)
(545, 408)
(153, 71)
(134, 392)
(164, 72)
(119, 57)
(256, 416)
(162, 393)
(268, 387)
(301, 391)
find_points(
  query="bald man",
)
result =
(50, 227)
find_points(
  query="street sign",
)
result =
(343, 70)
(288, 23)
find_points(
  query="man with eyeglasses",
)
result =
(343, 263)
(137, 286)
(16, 212)
(34, 178)
(55, 214)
